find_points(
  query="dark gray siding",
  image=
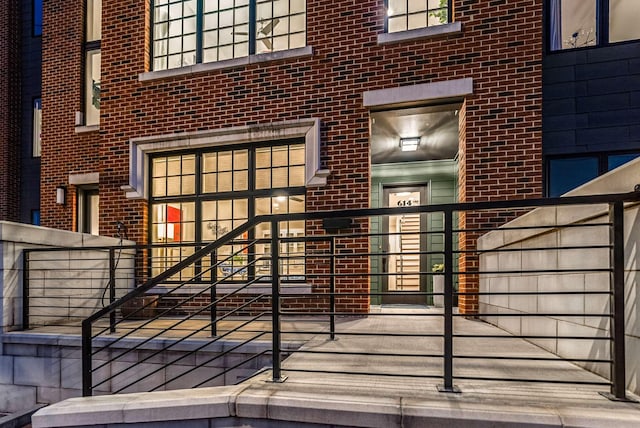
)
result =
(591, 100)
(31, 83)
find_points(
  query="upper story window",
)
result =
(37, 17)
(92, 62)
(186, 32)
(37, 128)
(403, 15)
(581, 23)
(565, 173)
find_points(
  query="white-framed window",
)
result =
(37, 128)
(583, 23)
(404, 15)
(186, 32)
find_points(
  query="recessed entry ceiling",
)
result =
(437, 127)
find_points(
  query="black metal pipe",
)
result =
(25, 289)
(87, 372)
(112, 288)
(214, 294)
(618, 373)
(332, 290)
(275, 302)
(448, 305)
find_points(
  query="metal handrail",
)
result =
(615, 201)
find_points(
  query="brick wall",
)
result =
(64, 151)
(499, 47)
(9, 110)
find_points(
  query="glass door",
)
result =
(404, 245)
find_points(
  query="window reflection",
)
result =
(233, 186)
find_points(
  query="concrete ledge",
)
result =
(323, 403)
(226, 64)
(421, 33)
(408, 95)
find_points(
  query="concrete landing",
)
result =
(310, 399)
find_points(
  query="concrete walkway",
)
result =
(316, 399)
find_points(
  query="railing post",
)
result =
(87, 381)
(213, 292)
(616, 237)
(25, 289)
(275, 302)
(448, 386)
(332, 288)
(112, 288)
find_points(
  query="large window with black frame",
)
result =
(199, 196)
(186, 32)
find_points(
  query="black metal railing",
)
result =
(515, 278)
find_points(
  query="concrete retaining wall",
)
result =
(60, 281)
(46, 368)
(574, 306)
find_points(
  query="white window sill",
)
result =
(226, 64)
(89, 128)
(420, 33)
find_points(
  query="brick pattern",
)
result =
(64, 151)
(10, 110)
(500, 47)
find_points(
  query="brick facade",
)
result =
(10, 110)
(500, 145)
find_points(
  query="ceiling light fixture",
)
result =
(409, 144)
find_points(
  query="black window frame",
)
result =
(199, 53)
(602, 161)
(602, 26)
(198, 197)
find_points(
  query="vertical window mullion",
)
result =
(199, 33)
(602, 16)
(252, 26)
(386, 16)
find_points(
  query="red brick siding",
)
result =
(64, 151)
(9, 110)
(499, 47)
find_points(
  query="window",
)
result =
(186, 32)
(37, 127)
(88, 215)
(199, 197)
(582, 23)
(37, 18)
(35, 217)
(567, 173)
(93, 34)
(92, 88)
(403, 15)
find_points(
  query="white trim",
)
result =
(88, 128)
(420, 33)
(80, 179)
(141, 148)
(226, 64)
(406, 95)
